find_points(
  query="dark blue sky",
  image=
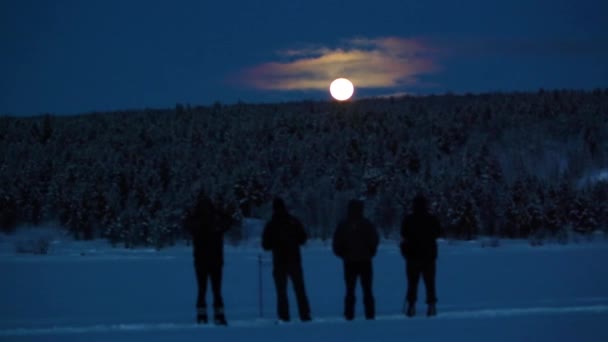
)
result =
(79, 56)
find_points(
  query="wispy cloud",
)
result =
(368, 63)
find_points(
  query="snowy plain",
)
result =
(89, 291)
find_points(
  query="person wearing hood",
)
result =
(283, 235)
(207, 230)
(419, 233)
(355, 241)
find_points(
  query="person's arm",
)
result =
(338, 241)
(436, 228)
(300, 231)
(187, 224)
(405, 229)
(374, 238)
(225, 223)
(405, 236)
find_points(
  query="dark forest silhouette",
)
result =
(507, 165)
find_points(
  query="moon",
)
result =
(341, 89)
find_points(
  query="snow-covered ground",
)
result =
(92, 292)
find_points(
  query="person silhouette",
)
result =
(419, 233)
(283, 235)
(207, 230)
(355, 241)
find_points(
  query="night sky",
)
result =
(78, 56)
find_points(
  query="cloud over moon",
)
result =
(368, 63)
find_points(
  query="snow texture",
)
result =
(90, 291)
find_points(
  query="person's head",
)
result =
(204, 203)
(420, 204)
(278, 206)
(355, 209)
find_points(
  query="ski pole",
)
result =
(260, 292)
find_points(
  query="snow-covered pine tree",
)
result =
(515, 213)
(164, 154)
(552, 218)
(8, 212)
(534, 228)
(599, 198)
(251, 190)
(387, 215)
(583, 216)
(462, 212)
(488, 190)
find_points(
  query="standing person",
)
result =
(419, 233)
(207, 230)
(283, 235)
(355, 241)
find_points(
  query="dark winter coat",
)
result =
(283, 235)
(419, 233)
(207, 231)
(355, 238)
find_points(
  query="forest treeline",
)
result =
(512, 165)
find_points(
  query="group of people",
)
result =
(355, 241)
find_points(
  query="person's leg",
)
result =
(297, 278)
(413, 276)
(428, 274)
(201, 280)
(280, 282)
(368, 295)
(350, 280)
(218, 301)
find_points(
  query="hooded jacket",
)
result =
(283, 235)
(355, 238)
(419, 232)
(207, 231)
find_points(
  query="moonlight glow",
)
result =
(341, 89)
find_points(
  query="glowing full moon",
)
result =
(341, 89)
